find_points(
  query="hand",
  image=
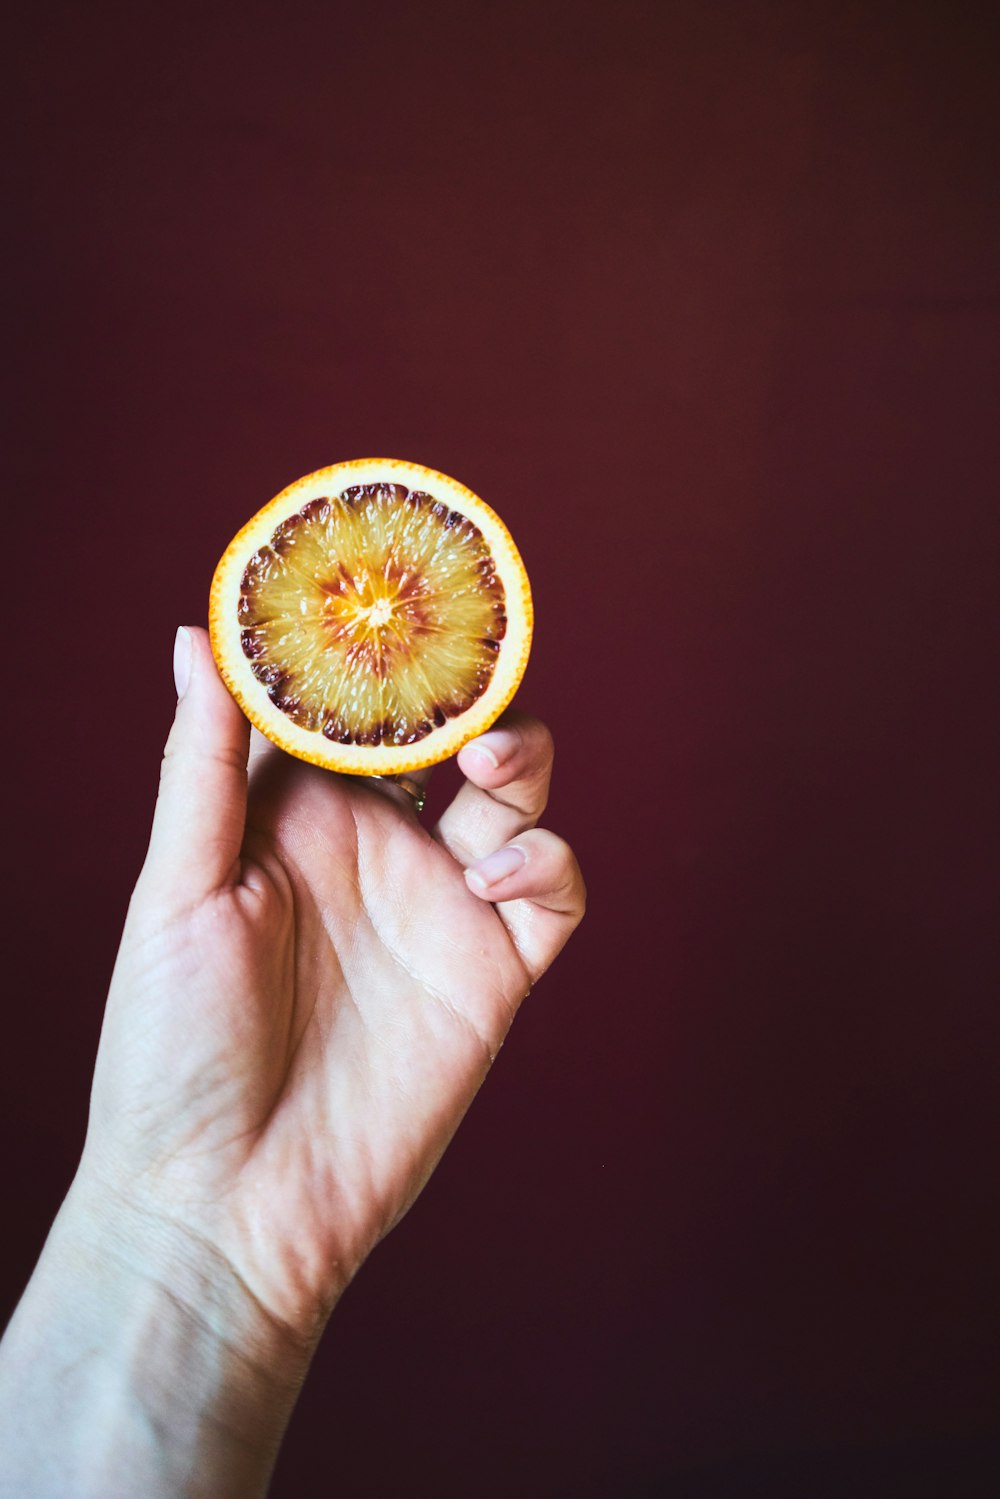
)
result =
(310, 989)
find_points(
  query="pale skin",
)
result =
(310, 988)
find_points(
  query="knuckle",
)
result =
(566, 877)
(553, 856)
(177, 756)
(580, 892)
(541, 744)
(535, 735)
(555, 850)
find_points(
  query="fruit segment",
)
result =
(373, 616)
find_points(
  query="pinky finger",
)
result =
(536, 885)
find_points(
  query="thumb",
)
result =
(194, 847)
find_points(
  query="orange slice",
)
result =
(372, 618)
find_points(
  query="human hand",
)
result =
(310, 989)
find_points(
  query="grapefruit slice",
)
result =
(372, 618)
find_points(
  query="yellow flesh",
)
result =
(373, 616)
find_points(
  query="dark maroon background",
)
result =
(704, 299)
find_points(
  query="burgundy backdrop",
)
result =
(704, 299)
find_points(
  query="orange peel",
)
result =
(373, 617)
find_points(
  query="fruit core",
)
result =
(373, 616)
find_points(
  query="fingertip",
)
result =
(492, 891)
(197, 677)
(201, 807)
(482, 758)
(182, 660)
(496, 870)
(193, 641)
(477, 884)
(540, 867)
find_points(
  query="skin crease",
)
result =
(310, 989)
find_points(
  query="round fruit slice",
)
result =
(372, 618)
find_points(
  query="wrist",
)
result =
(140, 1346)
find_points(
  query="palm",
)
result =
(314, 1030)
(397, 987)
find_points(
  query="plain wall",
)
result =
(703, 298)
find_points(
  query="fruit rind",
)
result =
(353, 759)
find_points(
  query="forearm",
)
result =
(139, 1366)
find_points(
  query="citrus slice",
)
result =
(372, 618)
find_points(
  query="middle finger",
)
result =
(507, 784)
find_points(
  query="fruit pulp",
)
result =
(374, 615)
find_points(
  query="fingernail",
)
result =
(182, 660)
(495, 867)
(496, 747)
